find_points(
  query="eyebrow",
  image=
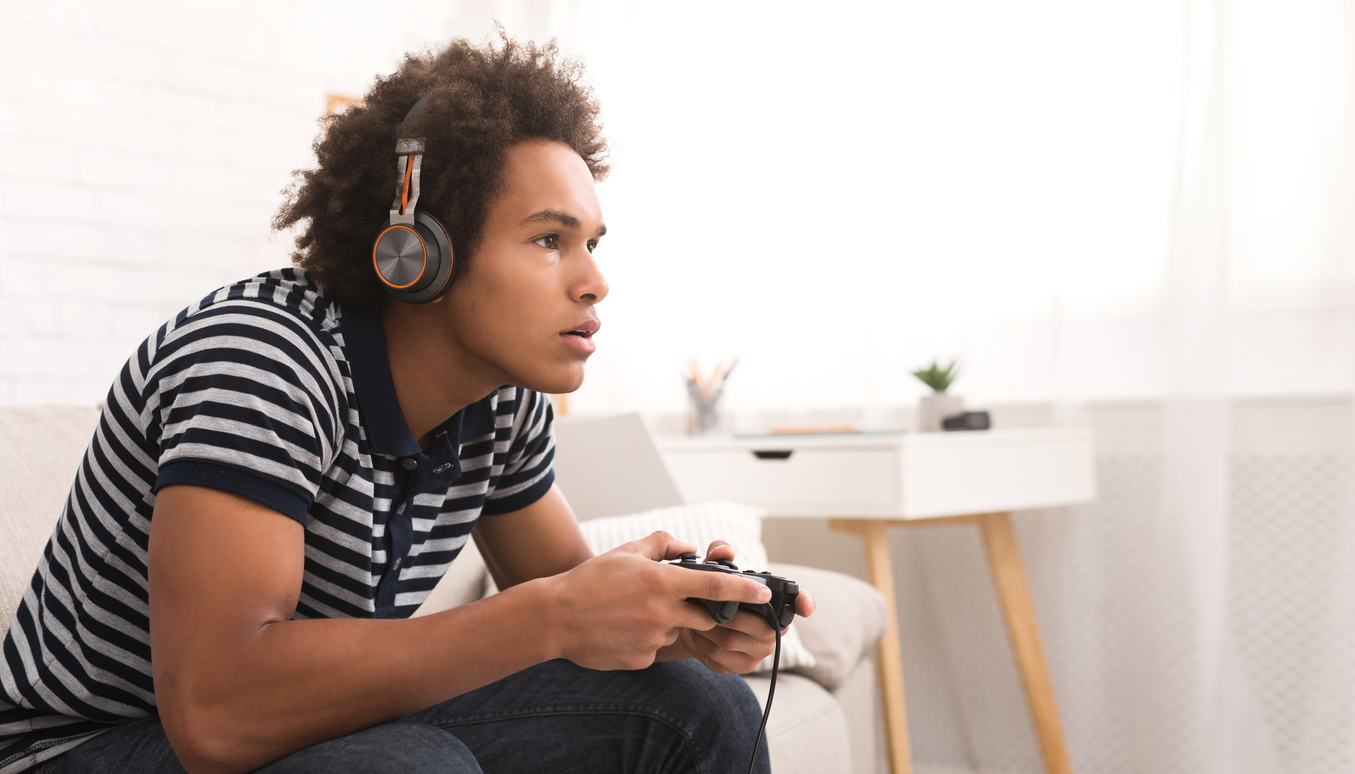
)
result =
(555, 216)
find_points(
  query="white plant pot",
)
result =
(931, 409)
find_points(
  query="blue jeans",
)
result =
(676, 716)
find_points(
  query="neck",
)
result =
(434, 377)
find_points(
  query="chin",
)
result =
(557, 382)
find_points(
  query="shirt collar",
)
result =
(365, 349)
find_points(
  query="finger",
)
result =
(750, 625)
(715, 658)
(693, 615)
(720, 550)
(749, 641)
(719, 586)
(742, 658)
(804, 604)
(662, 545)
(701, 648)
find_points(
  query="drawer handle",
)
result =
(773, 454)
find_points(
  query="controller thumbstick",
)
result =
(688, 557)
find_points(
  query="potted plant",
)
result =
(931, 409)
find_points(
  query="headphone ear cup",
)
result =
(413, 263)
(447, 268)
(400, 257)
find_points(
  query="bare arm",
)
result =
(239, 684)
(538, 541)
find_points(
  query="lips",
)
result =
(580, 337)
(585, 329)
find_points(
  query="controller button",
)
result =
(790, 587)
(726, 563)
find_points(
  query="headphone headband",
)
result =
(407, 195)
(412, 255)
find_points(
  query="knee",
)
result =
(392, 748)
(420, 747)
(721, 712)
(722, 701)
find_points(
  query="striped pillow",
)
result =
(703, 523)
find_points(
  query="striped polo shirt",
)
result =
(270, 390)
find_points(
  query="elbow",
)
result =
(200, 736)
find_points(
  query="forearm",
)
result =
(292, 684)
(538, 541)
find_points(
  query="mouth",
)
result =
(584, 330)
(580, 337)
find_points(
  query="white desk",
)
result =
(866, 483)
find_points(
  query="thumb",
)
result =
(662, 545)
(720, 550)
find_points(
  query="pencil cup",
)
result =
(704, 417)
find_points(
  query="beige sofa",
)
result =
(825, 719)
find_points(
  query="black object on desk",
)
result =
(970, 420)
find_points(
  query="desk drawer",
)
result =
(784, 479)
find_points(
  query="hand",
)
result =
(740, 645)
(617, 610)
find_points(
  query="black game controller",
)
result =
(777, 612)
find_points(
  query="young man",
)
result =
(285, 469)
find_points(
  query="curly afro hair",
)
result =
(481, 100)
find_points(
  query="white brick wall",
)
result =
(143, 146)
(144, 143)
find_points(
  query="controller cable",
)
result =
(771, 691)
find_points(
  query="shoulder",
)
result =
(283, 293)
(280, 314)
(271, 338)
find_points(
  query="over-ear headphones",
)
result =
(412, 255)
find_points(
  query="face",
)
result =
(524, 310)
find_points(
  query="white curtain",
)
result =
(1262, 198)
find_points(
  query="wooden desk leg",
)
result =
(888, 657)
(1009, 576)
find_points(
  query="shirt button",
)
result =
(443, 468)
(401, 509)
(396, 564)
(410, 464)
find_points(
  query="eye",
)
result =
(592, 246)
(548, 241)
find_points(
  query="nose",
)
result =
(589, 286)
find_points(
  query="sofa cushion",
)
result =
(40, 451)
(859, 697)
(702, 524)
(807, 729)
(849, 620)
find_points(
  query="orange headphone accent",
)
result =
(404, 190)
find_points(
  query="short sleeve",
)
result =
(248, 404)
(527, 473)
